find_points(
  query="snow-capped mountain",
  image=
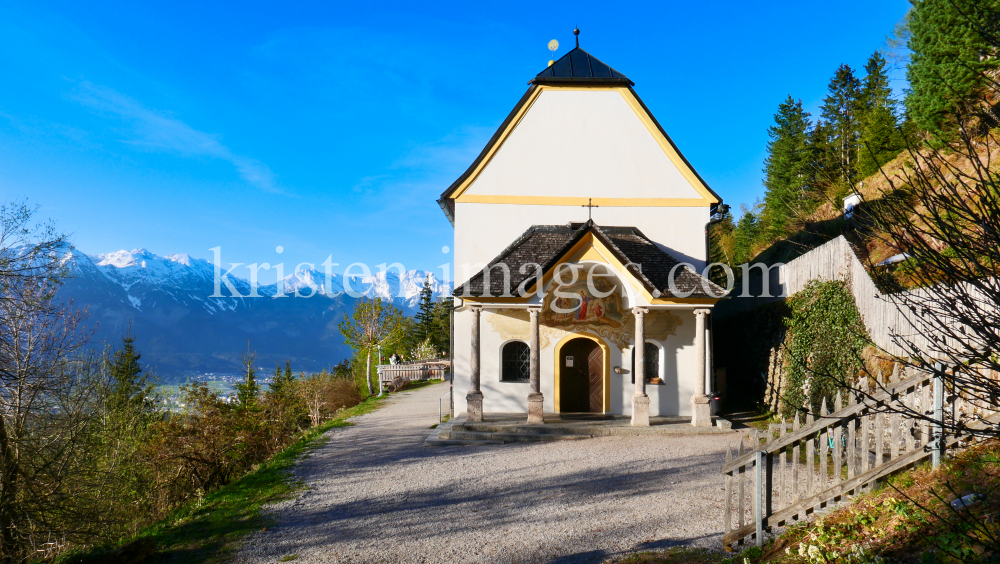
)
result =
(403, 290)
(186, 322)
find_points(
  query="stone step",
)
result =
(511, 437)
(521, 428)
(431, 442)
(590, 430)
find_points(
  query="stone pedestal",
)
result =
(640, 410)
(701, 411)
(474, 409)
(535, 401)
(640, 401)
(474, 398)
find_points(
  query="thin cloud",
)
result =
(154, 131)
(454, 152)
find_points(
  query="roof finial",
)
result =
(576, 32)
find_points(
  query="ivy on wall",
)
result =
(823, 345)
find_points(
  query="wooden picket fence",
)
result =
(788, 473)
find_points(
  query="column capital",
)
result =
(640, 310)
(476, 308)
(702, 311)
(534, 310)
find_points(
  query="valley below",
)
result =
(184, 333)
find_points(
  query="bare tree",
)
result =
(46, 402)
(943, 213)
(27, 249)
(312, 389)
(45, 412)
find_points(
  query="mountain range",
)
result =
(186, 324)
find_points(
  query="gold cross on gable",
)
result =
(590, 207)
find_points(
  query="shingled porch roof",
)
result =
(545, 245)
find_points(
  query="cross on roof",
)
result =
(590, 207)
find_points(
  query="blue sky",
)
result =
(331, 128)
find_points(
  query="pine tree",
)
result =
(950, 58)
(130, 388)
(784, 169)
(841, 111)
(441, 336)
(425, 313)
(129, 420)
(281, 383)
(822, 158)
(745, 237)
(881, 139)
(248, 390)
(721, 248)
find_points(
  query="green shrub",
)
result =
(824, 343)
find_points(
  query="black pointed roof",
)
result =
(579, 66)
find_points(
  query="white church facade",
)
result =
(580, 231)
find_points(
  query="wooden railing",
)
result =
(413, 371)
(788, 473)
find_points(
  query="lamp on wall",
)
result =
(620, 370)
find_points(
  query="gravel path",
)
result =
(375, 494)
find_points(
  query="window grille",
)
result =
(515, 365)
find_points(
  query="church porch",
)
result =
(573, 348)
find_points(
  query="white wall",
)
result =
(482, 231)
(582, 143)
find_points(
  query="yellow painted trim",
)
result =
(707, 197)
(590, 253)
(483, 300)
(583, 248)
(500, 141)
(684, 301)
(667, 148)
(605, 349)
(575, 201)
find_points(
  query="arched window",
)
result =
(515, 362)
(652, 362)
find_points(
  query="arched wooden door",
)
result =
(581, 377)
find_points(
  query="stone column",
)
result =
(535, 397)
(701, 411)
(640, 401)
(474, 399)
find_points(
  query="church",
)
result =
(580, 233)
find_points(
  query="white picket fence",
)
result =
(435, 369)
